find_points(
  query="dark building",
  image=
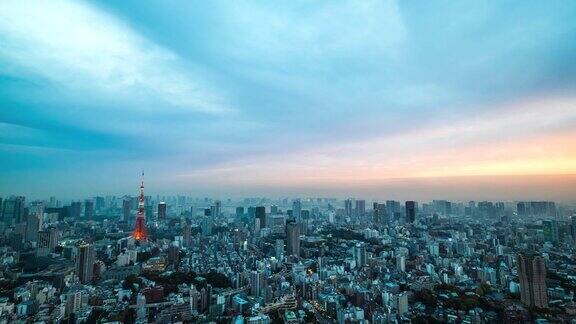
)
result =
(89, 209)
(100, 203)
(75, 209)
(380, 214)
(85, 263)
(126, 208)
(410, 211)
(293, 238)
(348, 207)
(239, 211)
(162, 210)
(13, 210)
(532, 277)
(261, 215)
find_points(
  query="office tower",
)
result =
(140, 232)
(251, 212)
(279, 249)
(401, 263)
(89, 209)
(126, 208)
(403, 303)
(532, 277)
(393, 208)
(75, 210)
(360, 208)
(52, 202)
(100, 203)
(297, 209)
(380, 214)
(13, 210)
(162, 211)
(239, 212)
(255, 283)
(550, 230)
(85, 263)
(47, 242)
(261, 215)
(33, 225)
(348, 207)
(360, 255)
(273, 210)
(207, 225)
(293, 238)
(216, 209)
(187, 234)
(573, 227)
(410, 211)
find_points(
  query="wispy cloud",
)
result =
(79, 47)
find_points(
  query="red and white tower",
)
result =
(140, 233)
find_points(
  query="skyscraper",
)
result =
(532, 277)
(293, 238)
(13, 210)
(297, 209)
(348, 207)
(380, 214)
(89, 209)
(161, 211)
(85, 263)
(410, 211)
(360, 208)
(126, 208)
(75, 210)
(261, 215)
(140, 233)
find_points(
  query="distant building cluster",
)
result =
(144, 259)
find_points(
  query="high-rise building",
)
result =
(532, 277)
(239, 212)
(75, 210)
(380, 214)
(162, 211)
(126, 208)
(261, 215)
(360, 208)
(187, 234)
(348, 207)
(216, 209)
(297, 209)
(410, 211)
(255, 283)
(33, 225)
(89, 209)
(47, 242)
(273, 210)
(293, 239)
(100, 203)
(13, 210)
(360, 255)
(85, 263)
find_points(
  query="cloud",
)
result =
(522, 138)
(80, 48)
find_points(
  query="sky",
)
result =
(379, 99)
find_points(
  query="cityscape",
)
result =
(276, 162)
(140, 259)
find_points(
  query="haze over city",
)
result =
(408, 99)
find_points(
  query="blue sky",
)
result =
(294, 97)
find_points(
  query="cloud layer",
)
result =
(298, 98)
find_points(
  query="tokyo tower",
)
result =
(140, 233)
